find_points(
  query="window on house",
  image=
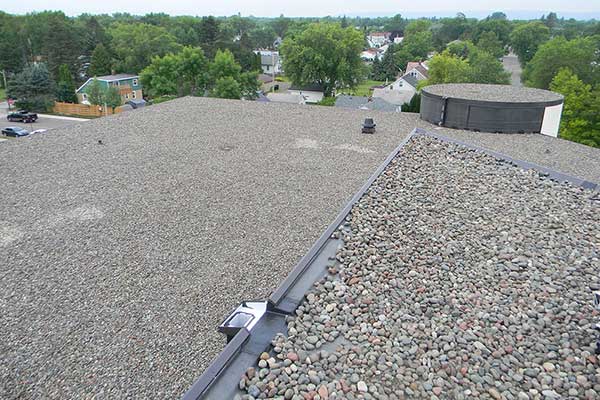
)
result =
(133, 95)
(268, 66)
(117, 83)
(84, 96)
(135, 82)
(126, 95)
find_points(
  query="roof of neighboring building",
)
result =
(397, 97)
(119, 259)
(284, 97)
(411, 80)
(364, 103)
(108, 78)
(419, 66)
(265, 78)
(315, 87)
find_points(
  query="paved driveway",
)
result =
(44, 121)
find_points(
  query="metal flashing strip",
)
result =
(277, 300)
(220, 380)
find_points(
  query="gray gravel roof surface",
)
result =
(118, 260)
(460, 277)
(484, 92)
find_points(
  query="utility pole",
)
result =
(4, 76)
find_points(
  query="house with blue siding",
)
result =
(130, 87)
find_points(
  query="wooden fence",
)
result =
(83, 110)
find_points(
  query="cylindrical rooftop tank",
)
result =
(492, 108)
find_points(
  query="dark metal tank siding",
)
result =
(487, 108)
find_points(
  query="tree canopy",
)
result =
(525, 39)
(580, 55)
(33, 87)
(326, 54)
(189, 72)
(581, 111)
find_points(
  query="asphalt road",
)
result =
(512, 65)
(48, 122)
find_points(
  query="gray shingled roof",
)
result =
(116, 77)
(360, 102)
(411, 80)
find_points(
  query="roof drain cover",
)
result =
(246, 315)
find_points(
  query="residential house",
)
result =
(398, 39)
(365, 103)
(398, 92)
(310, 93)
(270, 62)
(130, 87)
(418, 69)
(371, 54)
(378, 39)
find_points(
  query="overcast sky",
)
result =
(514, 8)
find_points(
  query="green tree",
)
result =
(33, 87)
(178, 74)
(95, 92)
(227, 88)
(414, 105)
(112, 97)
(61, 44)
(280, 25)
(101, 95)
(418, 44)
(485, 68)
(447, 68)
(325, 54)
(580, 120)
(489, 42)
(13, 52)
(525, 40)
(209, 35)
(65, 88)
(417, 26)
(136, 44)
(101, 62)
(579, 55)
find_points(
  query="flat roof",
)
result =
(458, 276)
(494, 93)
(119, 260)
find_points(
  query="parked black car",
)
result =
(22, 116)
(15, 131)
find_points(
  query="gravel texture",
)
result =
(118, 260)
(500, 93)
(460, 277)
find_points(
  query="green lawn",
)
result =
(363, 89)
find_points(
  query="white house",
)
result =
(417, 69)
(270, 62)
(398, 39)
(370, 54)
(378, 39)
(398, 92)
